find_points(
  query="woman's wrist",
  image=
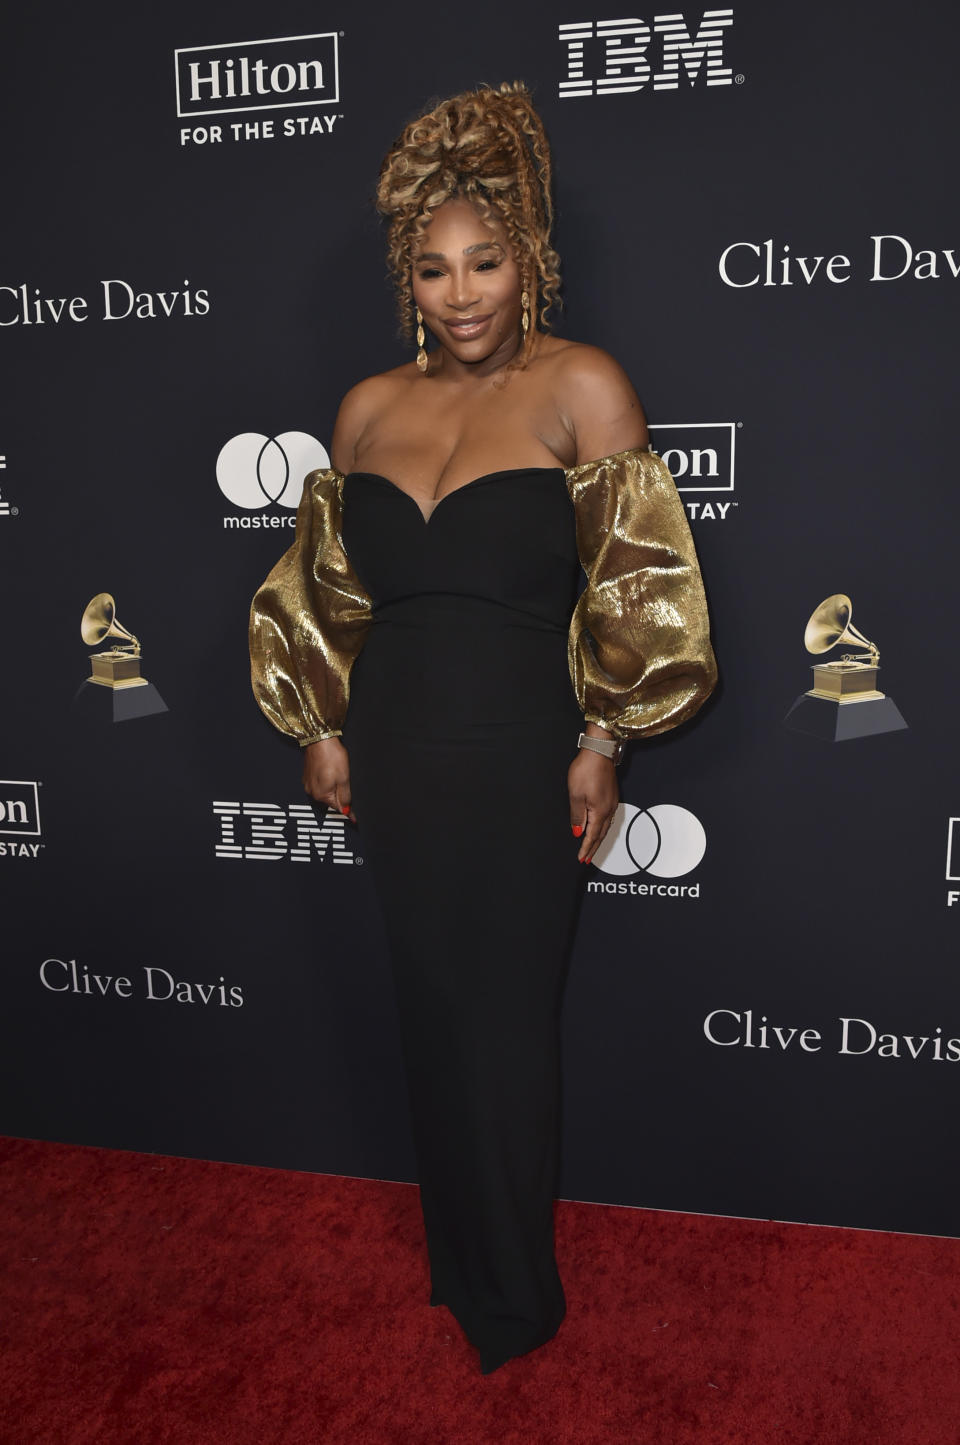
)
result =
(599, 741)
(323, 738)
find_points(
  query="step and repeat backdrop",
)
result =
(758, 218)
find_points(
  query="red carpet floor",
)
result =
(149, 1299)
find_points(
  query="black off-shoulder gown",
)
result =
(460, 728)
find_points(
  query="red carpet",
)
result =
(149, 1299)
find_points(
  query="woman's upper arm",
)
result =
(354, 415)
(600, 405)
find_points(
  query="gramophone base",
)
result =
(119, 682)
(841, 722)
(845, 699)
(107, 704)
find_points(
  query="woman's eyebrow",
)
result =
(467, 251)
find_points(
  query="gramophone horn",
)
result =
(99, 621)
(830, 624)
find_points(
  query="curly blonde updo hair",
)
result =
(489, 146)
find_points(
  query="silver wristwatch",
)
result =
(611, 748)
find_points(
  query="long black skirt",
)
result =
(475, 868)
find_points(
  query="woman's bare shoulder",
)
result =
(373, 390)
(580, 361)
(596, 399)
(364, 401)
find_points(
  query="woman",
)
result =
(433, 587)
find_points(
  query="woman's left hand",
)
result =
(594, 795)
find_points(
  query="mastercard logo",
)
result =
(665, 841)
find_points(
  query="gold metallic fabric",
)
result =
(639, 648)
(639, 642)
(308, 621)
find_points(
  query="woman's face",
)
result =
(467, 284)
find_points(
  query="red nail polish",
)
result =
(345, 810)
(589, 860)
(577, 829)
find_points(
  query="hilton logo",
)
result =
(19, 820)
(257, 832)
(701, 458)
(953, 861)
(293, 70)
(621, 46)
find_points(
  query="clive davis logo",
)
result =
(613, 57)
(264, 832)
(287, 71)
(254, 471)
(19, 820)
(701, 458)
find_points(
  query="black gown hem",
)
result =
(493, 1359)
(493, 1356)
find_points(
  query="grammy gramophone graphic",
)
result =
(117, 668)
(844, 701)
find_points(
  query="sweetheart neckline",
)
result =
(485, 477)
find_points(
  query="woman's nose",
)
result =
(462, 293)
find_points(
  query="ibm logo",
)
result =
(291, 70)
(623, 46)
(257, 832)
(6, 508)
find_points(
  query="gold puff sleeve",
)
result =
(308, 621)
(639, 648)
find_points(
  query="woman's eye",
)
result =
(492, 264)
(428, 275)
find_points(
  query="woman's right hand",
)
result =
(326, 774)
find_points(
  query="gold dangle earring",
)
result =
(421, 353)
(525, 314)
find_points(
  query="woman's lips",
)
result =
(466, 330)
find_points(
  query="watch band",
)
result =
(611, 748)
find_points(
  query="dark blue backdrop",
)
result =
(822, 894)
